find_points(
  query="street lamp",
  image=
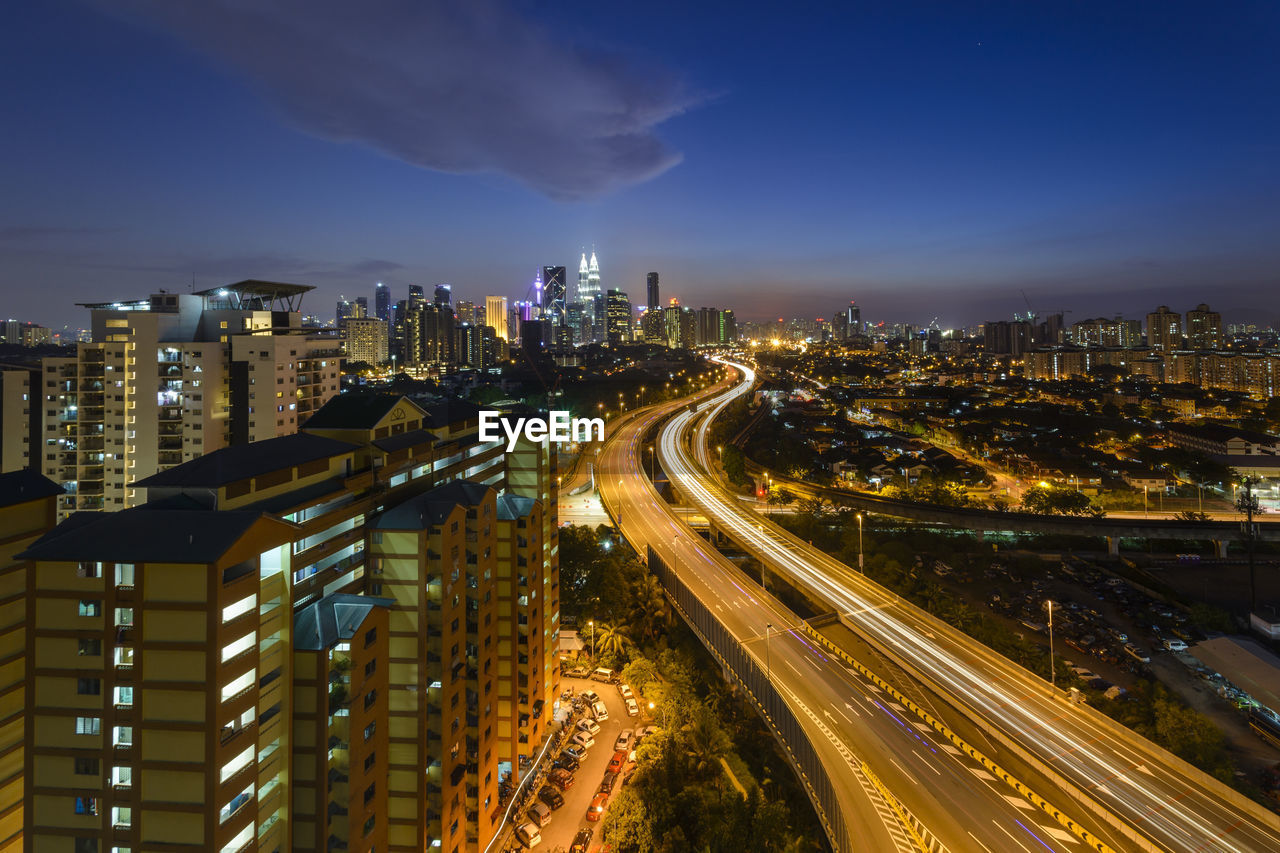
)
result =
(592, 626)
(1144, 502)
(649, 450)
(1053, 669)
(768, 661)
(861, 567)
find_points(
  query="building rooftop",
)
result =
(511, 507)
(433, 507)
(18, 487)
(405, 439)
(451, 411)
(332, 619)
(241, 461)
(353, 411)
(147, 534)
(252, 294)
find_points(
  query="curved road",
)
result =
(1159, 798)
(849, 721)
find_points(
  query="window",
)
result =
(369, 730)
(124, 574)
(368, 825)
(87, 805)
(370, 698)
(88, 725)
(371, 760)
(89, 570)
(89, 686)
(370, 668)
(86, 767)
(90, 607)
(86, 845)
(370, 637)
(90, 647)
(124, 617)
(369, 793)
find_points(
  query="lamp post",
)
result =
(1248, 504)
(1053, 671)
(649, 450)
(861, 567)
(592, 626)
(1144, 502)
(768, 660)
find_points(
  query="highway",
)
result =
(1159, 801)
(951, 802)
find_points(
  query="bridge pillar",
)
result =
(1113, 546)
(1220, 548)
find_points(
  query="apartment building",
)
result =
(28, 510)
(340, 755)
(352, 497)
(19, 417)
(160, 682)
(172, 377)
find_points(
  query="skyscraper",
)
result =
(555, 290)
(1164, 329)
(652, 299)
(1204, 328)
(597, 299)
(382, 302)
(222, 366)
(466, 311)
(495, 313)
(444, 295)
(417, 295)
(618, 320)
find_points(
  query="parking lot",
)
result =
(572, 816)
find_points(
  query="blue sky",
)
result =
(926, 159)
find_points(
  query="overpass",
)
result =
(1220, 533)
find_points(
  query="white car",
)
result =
(633, 710)
(1175, 645)
(625, 691)
(623, 743)
(529, 835)
(601, 712)
(591, 727)
(583, 740)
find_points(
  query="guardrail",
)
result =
(769, 703)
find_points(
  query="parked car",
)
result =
(624, 690)
(616, 763)
(561, 778)
(596, 810)
(529, 835)
(540, 813)
(582, 840)
(576, 751)
(623, 743)
(590, 695)
(568, 761)
(633, 710)
(551, 797)
(603, 675)
(601, 712)
(1175, 645)
(591, 727)
(607, 783)
(583, 740)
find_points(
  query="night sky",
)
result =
(922, 158)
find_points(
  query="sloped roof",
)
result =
(511, 507)
(26, 484)
(431, 507)
(332, 619)
(354, 411)
(241, 461)
(146, 535)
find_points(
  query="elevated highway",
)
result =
(886, 781)
(1150, 798)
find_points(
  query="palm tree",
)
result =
(613, 638)
(650, 611)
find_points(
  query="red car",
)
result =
(561, 778)
(616, 763)
(596, 809)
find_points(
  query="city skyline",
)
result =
(1127, 166)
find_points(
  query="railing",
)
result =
(770, 704)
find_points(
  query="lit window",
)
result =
(90, 607)
(88, 725)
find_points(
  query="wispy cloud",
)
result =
(462, 87)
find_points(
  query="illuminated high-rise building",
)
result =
(495, 313)
(1164, 329)
(652, 299)
(1204, 328)
(382, 302)
(618, 318)
(444, 295)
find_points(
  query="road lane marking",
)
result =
(1019, 802)
(980, 773)
(926, 762)
(1012, 837)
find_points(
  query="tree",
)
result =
(1048, 499)
(612, 639)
